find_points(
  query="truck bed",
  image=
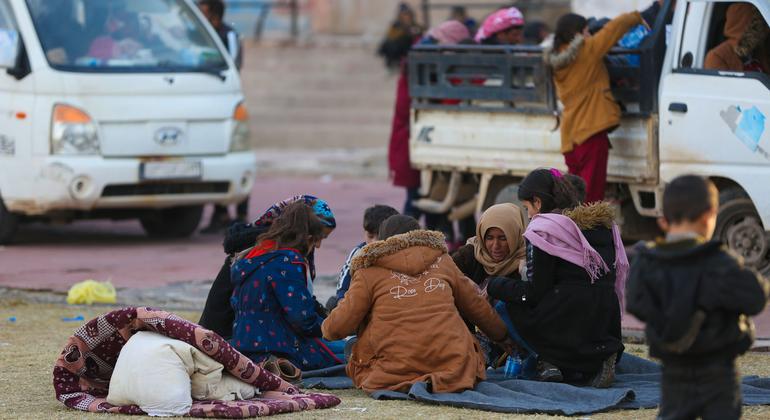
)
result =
(493, 109)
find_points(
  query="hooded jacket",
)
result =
(583, 83)
(695, 298)
(746, 33)
(406, 303)
(568, 320)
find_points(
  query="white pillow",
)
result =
(162, 376)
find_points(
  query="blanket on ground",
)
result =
(637, 385)
(81, 376)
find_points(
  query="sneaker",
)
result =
(606, 375)
(547, 372)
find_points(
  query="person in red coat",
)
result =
(401, 171)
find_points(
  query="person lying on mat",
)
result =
(406, 302)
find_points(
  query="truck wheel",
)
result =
(502, 189)
(175, 222)
(739, 226)
(8, 224)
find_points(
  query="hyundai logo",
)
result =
(168, 136)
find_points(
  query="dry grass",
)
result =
(29, 346)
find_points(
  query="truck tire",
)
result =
(740, 228)
(502, 189)
(174, 222)
(9, 222)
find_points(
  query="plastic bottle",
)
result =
(632, 40)
(513, 366)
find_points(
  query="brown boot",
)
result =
(606, 375)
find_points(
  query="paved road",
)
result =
(54, 257)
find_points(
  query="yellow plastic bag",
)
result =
(90, 291)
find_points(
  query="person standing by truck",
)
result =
(214, 11)
(399, 164)
(583, 86)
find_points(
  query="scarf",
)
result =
(500, 20)
(449, 33)
(320, 208)
(559, 236)
(510, 219)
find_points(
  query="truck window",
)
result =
(9, 37)
(6, 19)
(737, 39)
(123, 36)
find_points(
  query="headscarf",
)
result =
(320, 208)
(510, 219)
(449, 33)
(500, 20)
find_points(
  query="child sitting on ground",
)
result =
(695, 296)
(406, 302)
(373, 218)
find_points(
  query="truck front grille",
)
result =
(125, 190)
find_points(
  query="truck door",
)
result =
(714, 107)
(16, 91)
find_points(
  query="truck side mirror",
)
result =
(9, 48)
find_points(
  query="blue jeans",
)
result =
(529, 363)
(337, 347)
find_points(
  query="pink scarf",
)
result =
(499, 21)
(559, 236)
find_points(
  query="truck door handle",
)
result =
(677, 107)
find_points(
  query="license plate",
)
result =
(170, 170)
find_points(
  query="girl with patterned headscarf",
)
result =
(275, 311)
(217, 314)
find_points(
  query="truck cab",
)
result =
(117, 109)
(678, 118)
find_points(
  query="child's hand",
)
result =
(509, 346)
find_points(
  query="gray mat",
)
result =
(637, 386)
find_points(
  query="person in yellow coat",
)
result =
(583, 86)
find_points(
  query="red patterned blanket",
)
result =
(81, 376)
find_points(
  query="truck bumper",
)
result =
(56, 183)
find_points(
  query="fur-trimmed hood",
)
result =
(409, 253)
(590, 216)
(561, 59)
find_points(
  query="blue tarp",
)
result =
(637, 385)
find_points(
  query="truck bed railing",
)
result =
(515, 78)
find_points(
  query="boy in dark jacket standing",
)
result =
(695, 297)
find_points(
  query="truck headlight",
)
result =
(73, 132)
(240, 140)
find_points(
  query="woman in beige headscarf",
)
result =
(498, 247)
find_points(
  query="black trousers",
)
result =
(218, 315)
(707, 391)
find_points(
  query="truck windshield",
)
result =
(124, 36)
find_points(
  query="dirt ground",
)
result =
(30, 344)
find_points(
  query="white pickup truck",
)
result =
(117, 109)
(483, 117)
